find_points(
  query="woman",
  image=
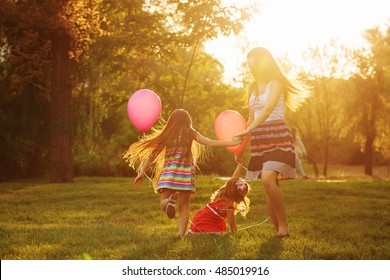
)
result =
(272, 147)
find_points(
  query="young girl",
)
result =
(225, 203)
(175, 153)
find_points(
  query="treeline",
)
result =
(68, 68)
(347, 120)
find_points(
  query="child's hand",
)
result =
(243, 134)
(236, 140)
(138, 180)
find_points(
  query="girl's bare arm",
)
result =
(143, 168)
(216, 143)
(275, 92)
(231, 220)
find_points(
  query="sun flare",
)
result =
(288, 28)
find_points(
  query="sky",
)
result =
(288, 27)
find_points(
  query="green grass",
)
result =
(105, 218)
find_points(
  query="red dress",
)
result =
(212, 217)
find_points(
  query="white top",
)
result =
(257, 104)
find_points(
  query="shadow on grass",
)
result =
(210, 246)
(271, 249)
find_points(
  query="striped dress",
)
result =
(272, 146)
(178, 172)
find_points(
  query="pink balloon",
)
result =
(227, 124)
(144, 108)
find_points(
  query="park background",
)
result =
(67, 70)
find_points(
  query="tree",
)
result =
(149, 44)
(322, 120)
(372, 95)
(55, 34)
(57, 53)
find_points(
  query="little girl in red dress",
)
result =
(224, 204)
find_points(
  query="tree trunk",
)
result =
(313, 160)
(368, 155)
(371, 132)
(326, 158)
(60, 146)
(188, 74)
(327, 127)
(315, 168)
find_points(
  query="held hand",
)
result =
(243, 134)
(236, 140)
(138, 180)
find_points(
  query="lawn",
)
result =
(106, 218)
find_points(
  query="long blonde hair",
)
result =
(295, 92)
(177, 134)
(233, 195)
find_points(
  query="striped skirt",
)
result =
(272, 148)
(178, 173)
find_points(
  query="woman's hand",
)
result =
(243, 134)
(138, 180)
(236, 140)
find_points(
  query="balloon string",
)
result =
(255, 224)
(149, 180)
(147, 177)
(258, 224)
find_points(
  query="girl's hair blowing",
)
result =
(295, 93)
(177, 134)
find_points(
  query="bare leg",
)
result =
(272, 214)
(276, 202)
(165, 194)
(184, 208)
